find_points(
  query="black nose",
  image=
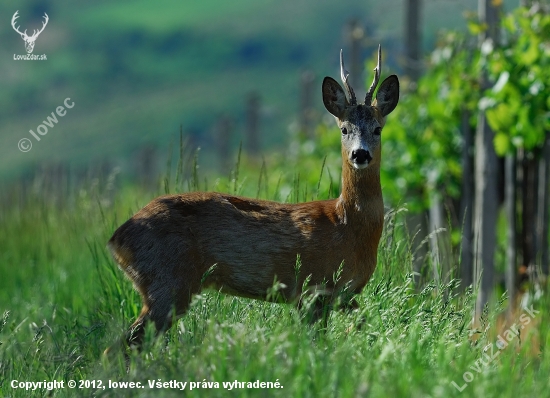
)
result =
(361, 156)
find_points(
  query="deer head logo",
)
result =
(29, 40)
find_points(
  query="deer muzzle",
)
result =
(360, 158)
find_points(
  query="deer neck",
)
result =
(361, 196)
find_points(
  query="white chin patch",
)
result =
(360, 166)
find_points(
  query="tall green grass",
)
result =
(64, 301)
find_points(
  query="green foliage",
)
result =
(422, 141)
(518, 105)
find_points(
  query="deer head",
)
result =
(360, 124)
(29, 40)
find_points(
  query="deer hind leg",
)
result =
(163, 301)
(350, 305)
(315, 307)
(135, 334)
(321, 310)
(166, 285)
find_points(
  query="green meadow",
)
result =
(64, 301)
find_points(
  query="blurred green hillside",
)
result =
(137, 70)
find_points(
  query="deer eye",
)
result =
(377, 130)
(344, 130)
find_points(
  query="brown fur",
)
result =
(168, 249)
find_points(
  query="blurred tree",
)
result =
(413, 39)
(146, 166)
(223, 133)
(467, 200)
(486, 169)
(417, 222)
(253, 124)
(355, 38)
(542, 227)
(307, 110)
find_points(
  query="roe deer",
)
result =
(168, 248)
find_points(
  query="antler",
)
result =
(368, 97)
(15, 16)
(35, 33)
(344, 75)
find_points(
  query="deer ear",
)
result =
(387, 96)
(334, 97)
